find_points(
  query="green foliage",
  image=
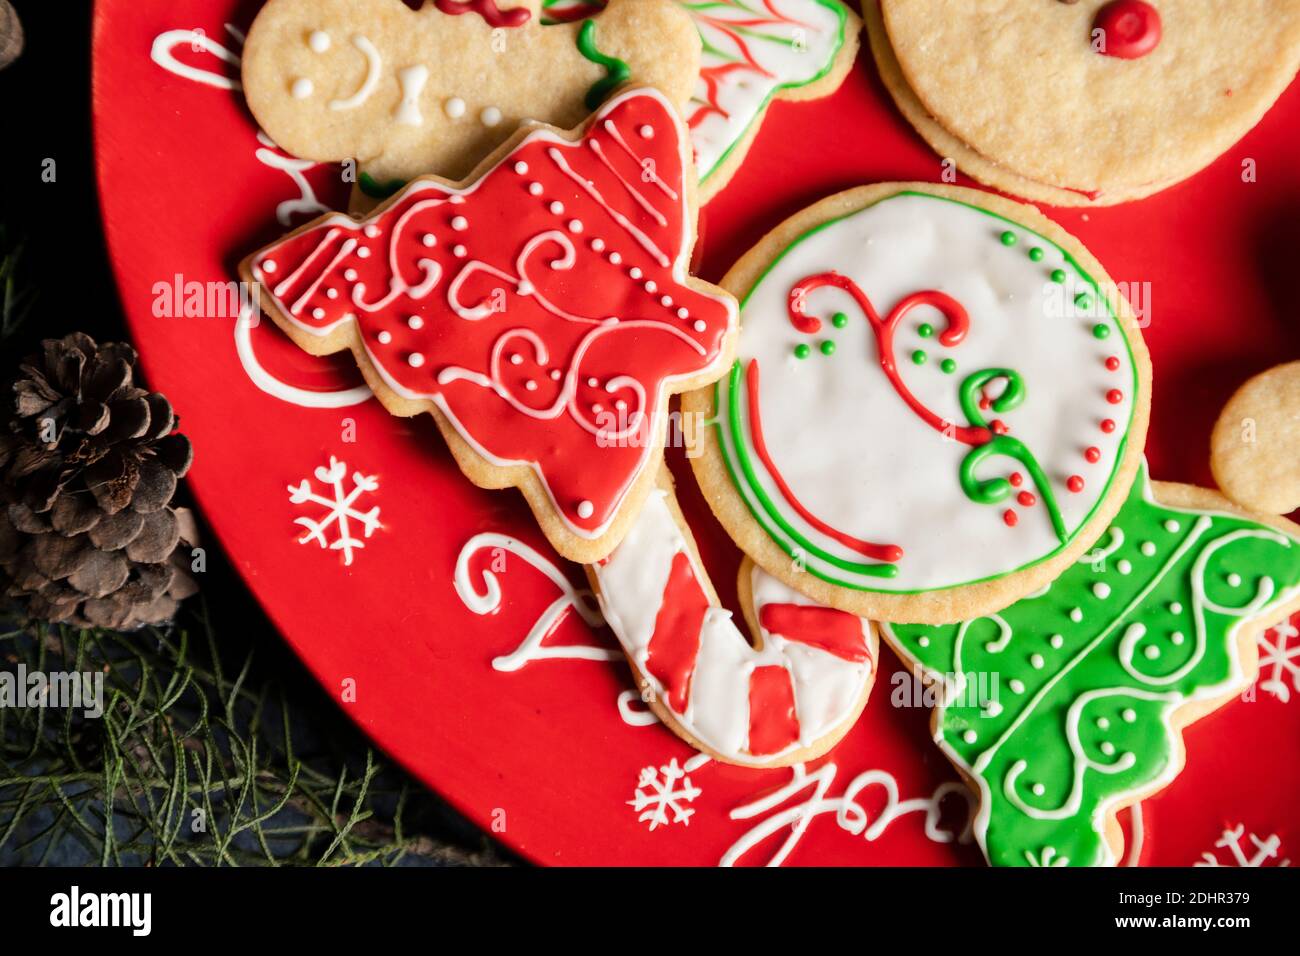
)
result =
(197, 760)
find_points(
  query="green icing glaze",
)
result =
(1083, 678)
(377, 190)
(948, 365)
(1036, 254)
(802, 351)
(839, 320)
(1100, 330)
(919, 357)
(1008, 238)
(827, 347)
(925, 330)
(616, 71)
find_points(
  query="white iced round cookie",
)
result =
(938, 402)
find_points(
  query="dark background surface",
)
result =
(45, 99)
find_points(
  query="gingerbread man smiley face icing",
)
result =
(1091, 102)
(938, 401)
(407, 92)
(541, 311)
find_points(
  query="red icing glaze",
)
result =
(999, 427)
(1026, 498)
(880, 552)
(1074, 483)
(675, 642)
(1108, 425)
(1010, 517)
(535, 300)
(1131, 28)
(835, 632)
(1093, 455)
(773, 724)
(1016, 479)
(958, 323)
(488, 10)
(1114, 396)
(1112, 363)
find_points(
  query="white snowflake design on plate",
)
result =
(657, 795)
(1279, 658)
(1265, 850)
(339, 508)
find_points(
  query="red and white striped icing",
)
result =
(748, 706)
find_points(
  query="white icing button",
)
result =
(683, 313)
(1176, 608)
(516, 359)
(575, 226)
(1076, 615)
(429, 240)
(647, 131)
(460, 223)
(555, 375)
(415, 322)
(634, 272)
(1037, 661)
(302, 88)
(331, 293)
(615, 258)
(455, 107)
(1056, 640)
(318, 313)
(521, 167)
(1234, 580)
(1177, 637)
(415, 360)
(1102, 590)
(650, 286)
(700, 325)
(1038, 789)
(586, 509)
(1172, 526)
(1129, 715)
(557, 207)
(363, 252)
(384, 337)
(268, 266)
(1017, 687)
(666, 302)
(371, 231)
(923, 642)
(534, 189)
(1148, 548)
(598, 245)
(1107, 748)
(458, 251)
(490, 116)
(530, 385)
(319, 41)
(592, 382)
(1103, 723)
(970, 736)
(1124, 567)
(1152, 652)
(350, 275)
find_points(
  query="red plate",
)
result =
(542, 756)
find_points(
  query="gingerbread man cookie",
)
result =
(1084, 103)
(940, 400)
(406, 92)
(541, 311)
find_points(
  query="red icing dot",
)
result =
(1074, 483)
(1010, 517)
(1108, 425)
(1016, 478)
(1026, 498)
(1112, 363)
(999, 426)
(1093, 455)
(1130, 28)
(1114, 396)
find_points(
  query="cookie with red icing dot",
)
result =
(922, 422)
(1083, 103)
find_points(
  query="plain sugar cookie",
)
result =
(1255, 446)
(1087, 103)
(939, 400)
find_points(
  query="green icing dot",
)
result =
(1036, 254)
(839, 320)
(1100, 331)
(919, 357)
(1083, 301)
(801, 351)
(1058, 275)
(948, 366)
(925, 330)
(1008, 238)
(828, 347)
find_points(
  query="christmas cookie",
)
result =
(753, 51)
(540, 310)
(407, 92)
(1255, 447)
(1084, 103)
(785, 699)
(1069, 705)
(939, 402)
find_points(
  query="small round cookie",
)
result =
(1255, 446)
(939, 401)
(1088, 103)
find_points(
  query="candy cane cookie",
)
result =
(939, 401)
(788, 697)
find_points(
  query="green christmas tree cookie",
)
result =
(1069, 705)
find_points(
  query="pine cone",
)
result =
(88, 468)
